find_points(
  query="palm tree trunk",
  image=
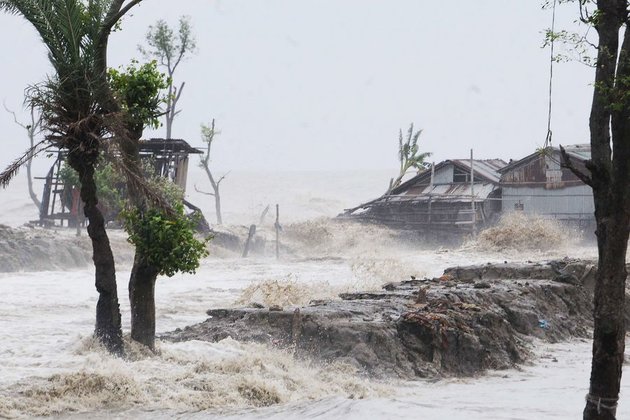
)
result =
(108, 324)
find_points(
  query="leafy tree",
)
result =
(409, 155)
(169, 49)
(207, 136)
(162, 234)
(79, 114)
(608, 173)
(167, 242)
(137, 89)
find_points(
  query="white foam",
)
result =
(51, 365)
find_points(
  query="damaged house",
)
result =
(454, 196)
(539, 185)
(62, 203)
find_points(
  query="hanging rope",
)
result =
(609, 404)
(553, 34)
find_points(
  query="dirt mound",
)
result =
(470, 319)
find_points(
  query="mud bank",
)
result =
(36, 249)
(468, 320)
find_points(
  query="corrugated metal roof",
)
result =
(578, 151)
(449, 192)
(156, 145)
(487, 168)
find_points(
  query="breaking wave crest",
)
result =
(186, 377)
(518, 231)
(322, 238)
(284, 292)
(330, 237)
(289, 291)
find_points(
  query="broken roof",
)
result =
(580, 152)
(484, 170)
(167, 146)
(455, 192)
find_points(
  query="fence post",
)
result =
(277, 225)
(472, 193)
(250, 235)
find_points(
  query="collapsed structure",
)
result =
(61, 202)
(453, 195)
(464, 195)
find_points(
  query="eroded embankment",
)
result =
(468, 320)
(37, 249)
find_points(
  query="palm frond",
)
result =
(11, 171)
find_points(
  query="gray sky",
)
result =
(326, 84)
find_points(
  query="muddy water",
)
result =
(51, 366)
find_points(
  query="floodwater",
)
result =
(50, 366)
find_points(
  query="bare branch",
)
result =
(14, 116)
(116, 12)
(222, 178)
(178, 93)
(203, 192)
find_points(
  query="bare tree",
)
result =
(32, 129)
(169, 49)
(208, 134)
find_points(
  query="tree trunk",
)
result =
(142, 300)
(143, 275)
(108, 326)
(169, 124)
(610, 177)
(29, 177)
(609, 331)
(170, 105)
(215, 188)
(217, 206)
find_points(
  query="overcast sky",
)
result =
(326, 84)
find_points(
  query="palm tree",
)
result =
(81, 116)
(409, 155)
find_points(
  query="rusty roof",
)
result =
(581, 152)
(167, 145)
(449, 192)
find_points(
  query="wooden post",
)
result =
(431, 193)
(250, 235)
(263, 215)
(472, 192)
(277, 225)
(78, 224)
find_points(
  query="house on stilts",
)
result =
(61, 203)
